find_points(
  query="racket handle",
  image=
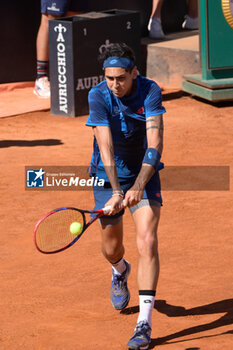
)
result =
(107, 209)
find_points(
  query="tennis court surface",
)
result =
(61, 302)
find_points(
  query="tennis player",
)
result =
(126, 115)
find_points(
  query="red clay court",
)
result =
(61, 302)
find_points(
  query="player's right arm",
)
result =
(103, 136)
(99, 121)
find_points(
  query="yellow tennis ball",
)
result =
(76, 228)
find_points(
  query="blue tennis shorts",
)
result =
(103, 194)
(60, 7)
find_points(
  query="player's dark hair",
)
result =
(117, 50)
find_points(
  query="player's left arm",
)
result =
(154, 132)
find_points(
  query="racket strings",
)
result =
(53, 233)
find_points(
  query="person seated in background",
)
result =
(51, 10)
(155, 26)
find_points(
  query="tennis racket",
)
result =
(52, 232)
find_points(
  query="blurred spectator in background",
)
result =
(51, 9)
(155, 26)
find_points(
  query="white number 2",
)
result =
(128, 25)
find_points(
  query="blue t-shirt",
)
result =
(126, 117)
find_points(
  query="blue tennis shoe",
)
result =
(119, 291)
(141, 337)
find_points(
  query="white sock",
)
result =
(146, 307)
(119, 267)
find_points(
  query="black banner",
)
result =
(75, 44)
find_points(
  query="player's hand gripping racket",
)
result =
(53, 233)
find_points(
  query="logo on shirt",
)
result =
(53, 7)
(140, 110)
(115, 111)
